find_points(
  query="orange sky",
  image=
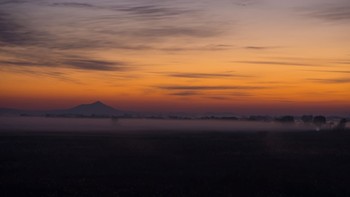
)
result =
(239, 56)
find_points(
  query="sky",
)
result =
(238, 56)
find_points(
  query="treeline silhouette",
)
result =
(319, 121)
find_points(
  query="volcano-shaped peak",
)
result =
(94, 108)
(97, 103)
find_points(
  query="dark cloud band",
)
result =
(179, 87)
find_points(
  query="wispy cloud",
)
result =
(211, 47)
(332, 81)
(226, 96)
(112, 25)
(145, 12)
(259, 48)
(98, 65)
(80, 63)
(206, 93)
(214, 94)
(20, 63)
(12, 2)
(140, 26)
(181, 87)
(336, 10)
(172, 31)
(346, 62)
(73, 5)
(203, 75)
(330, 71)
(277, 63)
(64, 37)
(12, 32)
(41, 73)
(217, 97)
(153, 11)
(185, 93)
(244, 3)
(240, 94)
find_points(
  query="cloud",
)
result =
(217, 97)
(203, 75)
(256, 48)
(73, 5)
(40, 73)
(139, 11)
(276, 63)
(150, 22)
(19, 63)
(185, 93)
(109, 25)
(336, 10)
(172, 32)
(240, 94)
(330, 71)
(129, 26)
(13, 2)
(346, 62)
(13, 33)
(80, 63)
(180, 87)
(244, 3)
(97, 65)
(202, 92)
(153, 11)
(259, 48)
(332, 81)
(212, 47)
(16, 31)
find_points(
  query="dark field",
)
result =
(175, 164)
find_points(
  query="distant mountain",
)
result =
(10, 111)
(93, 109)
(96, 108)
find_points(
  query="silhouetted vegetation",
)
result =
(319, 121)
(258, 118)
(219, 118)
(286, 119)
(341, 125)
(307, 119)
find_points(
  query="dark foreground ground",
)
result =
(205, 164)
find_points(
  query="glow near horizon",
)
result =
(249, 56)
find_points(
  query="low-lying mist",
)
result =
(43, 124)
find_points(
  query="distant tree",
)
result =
(341, 125)
(286, 119)
(229, 118)
(253, 118)
(258, 118)
(307, 119)
(319, 121)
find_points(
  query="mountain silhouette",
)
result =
(96, 108)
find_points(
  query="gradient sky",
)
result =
(239, 56)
